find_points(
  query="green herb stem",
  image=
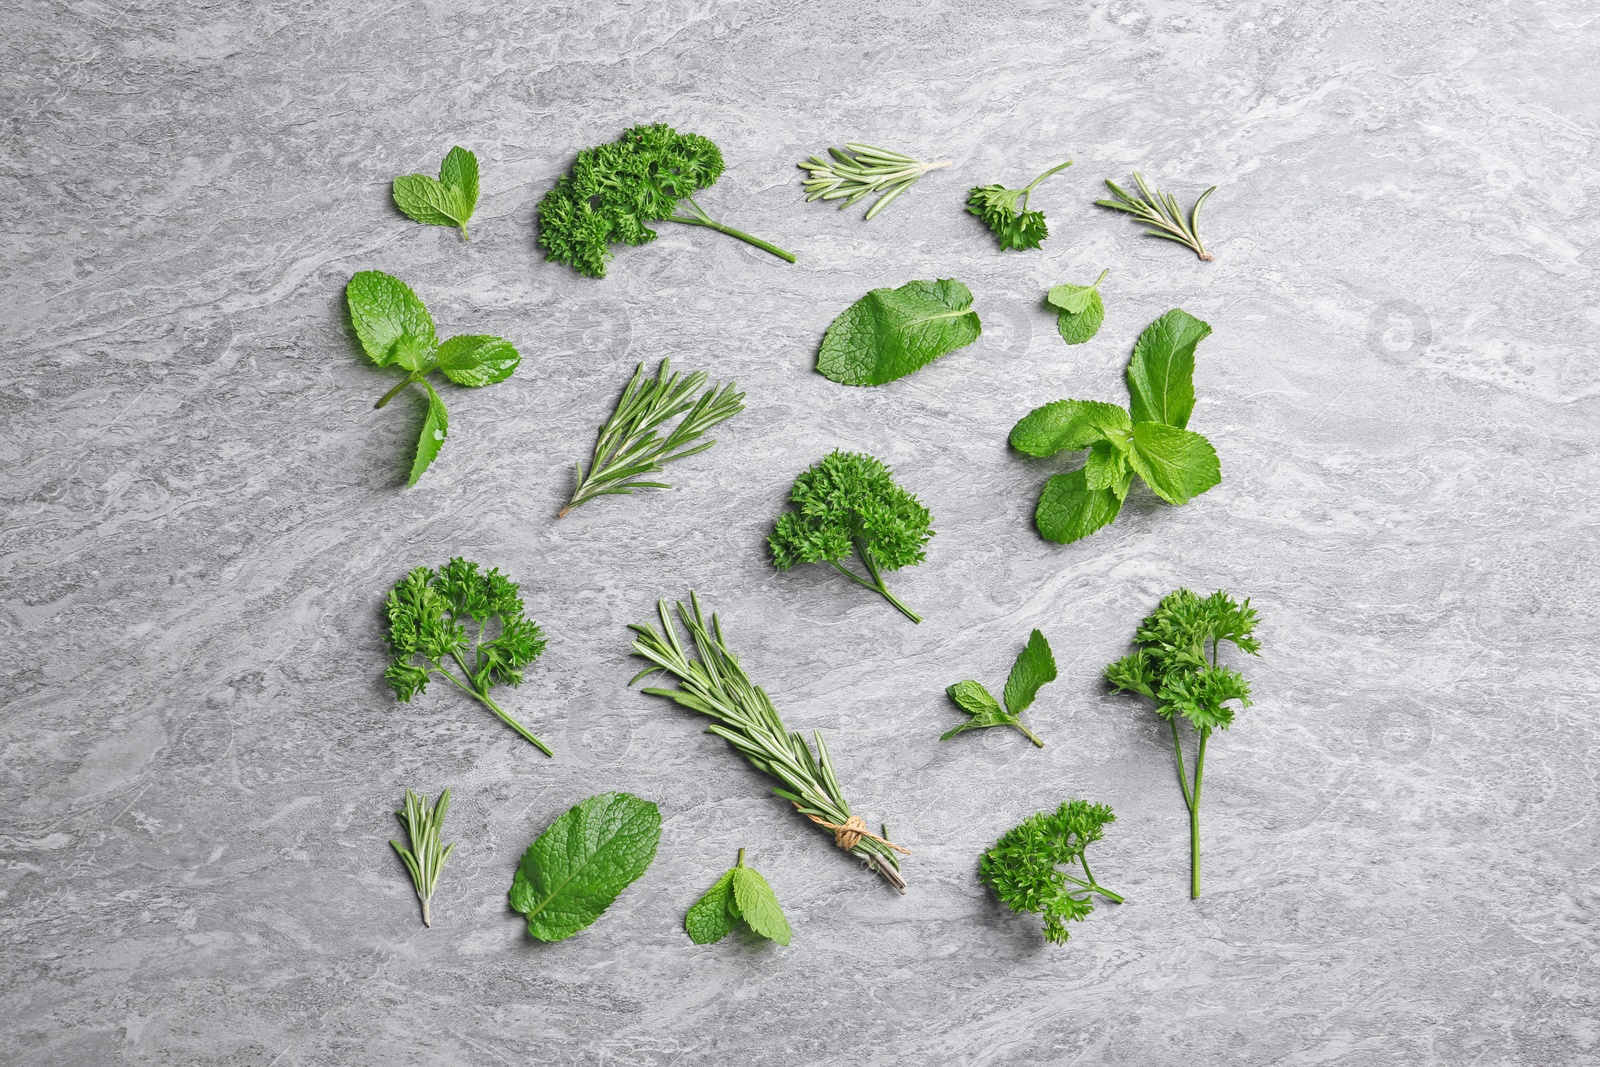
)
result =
(1027, 189)
(702, 219)
(488, 702)
(1194, 819)
(877, 583)
(392, 393)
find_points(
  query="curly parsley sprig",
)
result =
(1025, 867)
(1170, 667)
(1016, 227)
(429, 612)
(649, 174)
(848, 503)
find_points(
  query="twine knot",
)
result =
(848, 835)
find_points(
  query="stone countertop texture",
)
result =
(202, 513)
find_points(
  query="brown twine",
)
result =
(849, 835)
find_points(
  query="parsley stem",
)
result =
(879, 587)
(1096, 886)
(391, 394)
(702, 219)
(872, 569)
(484, 699)
(1029, 189)
(1194, 819)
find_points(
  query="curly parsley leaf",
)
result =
(574, 871)
(1005, 212)
(1079, 309)
(395, 329)
(889, 333)
(447, 200)
(1170, 666)
(1150, 441)
(1040, 866)
(1035, 665)
(850, 503)
(649, 174)
(429, 613)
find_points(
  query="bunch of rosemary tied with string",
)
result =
(717, 686)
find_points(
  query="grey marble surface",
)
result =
(202, 512)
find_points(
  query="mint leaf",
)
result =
(576, 868)
(396, 330)
(1066, 426)
(1035, 666)
(889, 333)
(475, 360)
(740, 895)
(712, 917)
(1069, 510)
(1079, 309)
(1176, 464)
(974, 699)
(758, 905)
(435, 428)
(1161, 372)
(448, 200)
(1107, 468)
(1075, 329)
(388, 316)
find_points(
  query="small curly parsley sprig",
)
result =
(849, 502)
(613, 191)
(428, 613)
(1171, 668)
(1017, 228)
(1024, 867)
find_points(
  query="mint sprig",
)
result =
(395, 330)
(447, 200)
(740, 896)
(1149, 438)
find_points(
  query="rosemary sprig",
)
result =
(425, 859)
(861, 170)
(1161, 210)
(717, 686)
(629, 446)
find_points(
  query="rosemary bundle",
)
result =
(629, 446)
(715, 685)
(1161, 210)
(861, 170)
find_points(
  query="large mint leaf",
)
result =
(477, 360)
(1175, 464)
(889, 333)
(1069, 510)
(572, 873)
(1035, 666)
(1066, 425)
(1161, 372)
(389, 319)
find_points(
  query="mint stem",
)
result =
(391, 394)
